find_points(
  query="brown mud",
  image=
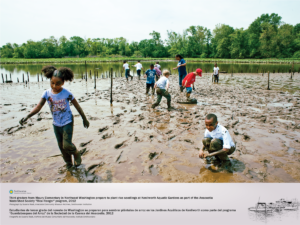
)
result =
(131, 142)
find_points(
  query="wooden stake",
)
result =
(111, 86)
(95, 80)
(23, 77)
(5, 77)
(10, 76)
(27, 77)
(18, 79)
(268, 80)
(2, 77)
(85, 72)
(38, 77)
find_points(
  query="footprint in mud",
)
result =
(103, 129)
(117, 146)
(152, 155)
(85, 143)
(105, 136)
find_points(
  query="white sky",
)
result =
(22, 20)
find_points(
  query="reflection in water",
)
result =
(17, 71)
(216, 173)
(83, 175)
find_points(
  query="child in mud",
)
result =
(58, 99)
(150, 74)
(126, 68)
(217, 141)
(162, 86)
(190, 80)
(158, 72)
(157, 65)
(139, 67)
(216, 73)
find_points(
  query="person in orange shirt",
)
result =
(189, 80)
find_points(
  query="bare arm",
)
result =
(34, 111)
(185, 84)
(86, 123)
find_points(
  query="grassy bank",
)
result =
(120, 59)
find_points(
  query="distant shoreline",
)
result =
(100, 60)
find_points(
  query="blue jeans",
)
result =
(181, 77)
(126, 73)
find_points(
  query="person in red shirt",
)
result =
(189, 80)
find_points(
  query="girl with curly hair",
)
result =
(58, 99)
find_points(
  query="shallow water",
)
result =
(145, 145)
(16, 71)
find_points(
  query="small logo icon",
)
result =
(11, 191)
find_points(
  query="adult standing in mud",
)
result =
(181, 66)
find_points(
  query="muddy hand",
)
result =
(23, 120)
(201, 154)
(86, 123)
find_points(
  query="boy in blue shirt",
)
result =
(150, 74)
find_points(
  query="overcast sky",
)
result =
(22, 20)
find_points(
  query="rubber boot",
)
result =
(77, 158)
(127, 79)
(169, 106)
(131, 77)
(181, 89)
(188, 95)
(147, 90)
(154, 105)
(68, 160)
(153, 91)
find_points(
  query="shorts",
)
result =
(150, 85)
(189, 89)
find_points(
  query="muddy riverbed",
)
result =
(130, 142)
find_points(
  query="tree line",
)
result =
(266, 37)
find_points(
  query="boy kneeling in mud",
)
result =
(162, 86)
(217, 141)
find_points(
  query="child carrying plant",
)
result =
(190, 80)
(150, 74)
(58, 99)
(162, 86)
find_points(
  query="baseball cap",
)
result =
(199, 72)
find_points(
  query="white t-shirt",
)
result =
(138, 66)
(220, 133)
(126, 67)
(216, 70)
(162, 82)
(158, 66)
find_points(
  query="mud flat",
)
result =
(130, 142)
